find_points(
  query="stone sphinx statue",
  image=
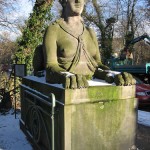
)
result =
(71, 52)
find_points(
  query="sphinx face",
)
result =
(75, 7)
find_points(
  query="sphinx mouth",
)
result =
(78, 5)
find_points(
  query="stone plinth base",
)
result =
(101, 117)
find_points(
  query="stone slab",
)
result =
(101, 117)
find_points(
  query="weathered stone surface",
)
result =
(96, 118)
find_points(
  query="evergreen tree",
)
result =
(33, 33)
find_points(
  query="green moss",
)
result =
(104, 122)
(104, 93)
(108, 125)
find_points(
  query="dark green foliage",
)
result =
(33, 33)
(128, 38)
(107, 37)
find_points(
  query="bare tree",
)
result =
(147, 9)
(130, 25)
(6, 8)
(7, 49)
(95, 16)
(123, 20)
(12, 18)
(142, 53)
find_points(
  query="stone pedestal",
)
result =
(101, 117)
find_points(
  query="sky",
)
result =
(23, 8)
(21, 11)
